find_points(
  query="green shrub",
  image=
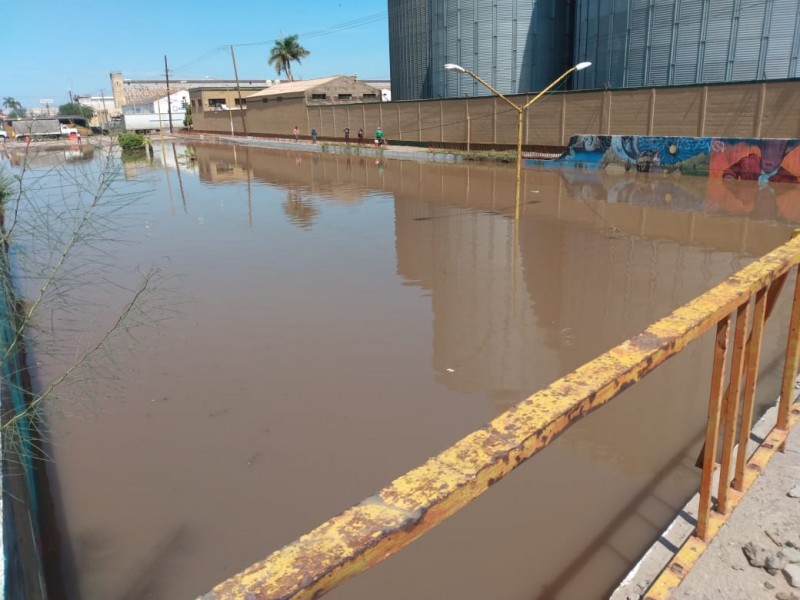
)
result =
(132, 141)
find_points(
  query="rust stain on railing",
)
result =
(379, 526)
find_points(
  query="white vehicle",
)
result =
(144, 122)
(42, 128)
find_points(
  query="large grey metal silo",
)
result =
(670, 42)
(515, 45)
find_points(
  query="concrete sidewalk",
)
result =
(767, 517)
(355, 149)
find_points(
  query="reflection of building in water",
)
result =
(596, 259)
(759, 201)
(577, 290)
(335, 179)
(54, 155)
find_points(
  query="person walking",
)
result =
(314, 136)
(346, 135)
(360, 136)
(296, 133)
(379, 136)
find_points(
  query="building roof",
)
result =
(147, 95)
(293, 87)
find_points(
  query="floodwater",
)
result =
(335, 321)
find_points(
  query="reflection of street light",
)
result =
(520, 110)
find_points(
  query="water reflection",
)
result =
(300, 211)
(354, 318)
(37, 156)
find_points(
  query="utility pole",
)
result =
(169, 100)
(239, 91)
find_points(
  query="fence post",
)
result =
(712, 426)
(791, 362)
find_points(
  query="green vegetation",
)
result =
(60, 250)
(132, 141)
(284, 52)
(5, 191)
(74, 108)
(16, 111)
(187, 119)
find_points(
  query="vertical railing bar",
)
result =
(712, 427)
(772, 297)
(752, 361)
(732, 404)
(791, 361)
(774, 291)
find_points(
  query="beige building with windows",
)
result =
(278, 108)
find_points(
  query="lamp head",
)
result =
(454, 67)
(582, 66)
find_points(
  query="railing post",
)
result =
(752, 360)
(732, 404)
(791, 361)
(712, 427)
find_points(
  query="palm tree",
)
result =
(284, 52)
(11, 104)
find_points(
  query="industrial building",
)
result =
(636, 43)
(515, 45)
(521, 45)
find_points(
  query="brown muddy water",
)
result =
(342, 319)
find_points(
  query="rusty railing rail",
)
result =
(379, 526)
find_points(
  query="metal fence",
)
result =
(382, 524)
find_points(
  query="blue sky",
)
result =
(75, 45)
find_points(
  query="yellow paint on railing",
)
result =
(422, 498)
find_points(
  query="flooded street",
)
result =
(340, 319)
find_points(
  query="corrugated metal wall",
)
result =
(515, 45)
(667, 42)
(409, 48)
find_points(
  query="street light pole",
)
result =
(520, 112)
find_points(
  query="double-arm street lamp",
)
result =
(520, 110)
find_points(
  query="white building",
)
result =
(177, 101)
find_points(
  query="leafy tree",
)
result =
(187, 118)
(75, 108)
(284, 52)
(16, 111)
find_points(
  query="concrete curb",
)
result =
(330, 148)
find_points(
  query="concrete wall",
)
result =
(746, 110)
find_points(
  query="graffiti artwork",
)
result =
(645, 154)
(773, 160)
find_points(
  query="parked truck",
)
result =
(42, 128)
(146, 122)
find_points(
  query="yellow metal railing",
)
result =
(379, 526)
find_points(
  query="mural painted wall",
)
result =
(763, 160)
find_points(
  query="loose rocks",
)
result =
(756, 554)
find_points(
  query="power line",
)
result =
(327, 30)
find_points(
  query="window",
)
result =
(345, 96)
(238, 102)
(319, 96)
(265, 100)
(216, 103)
(279, 99)
(369, 96)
